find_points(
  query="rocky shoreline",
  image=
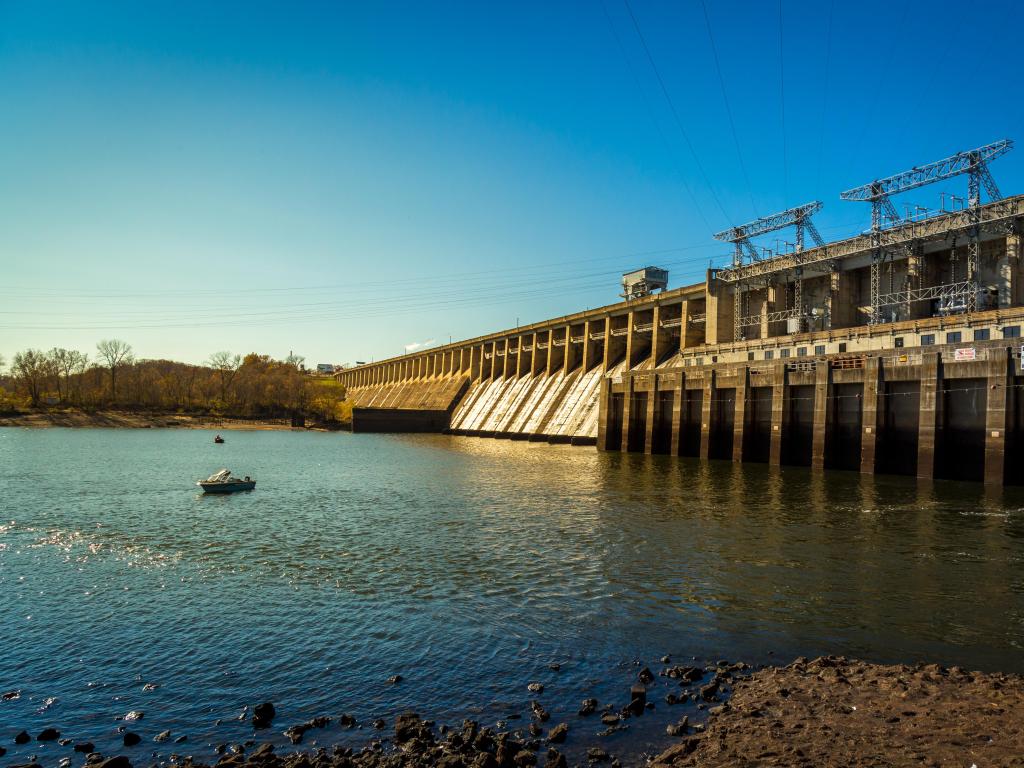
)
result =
(831, 711)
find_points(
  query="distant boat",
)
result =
(223, 482)
(218, 439)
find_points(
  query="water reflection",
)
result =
(815, 562)
(467, 565)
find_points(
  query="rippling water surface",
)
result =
(465, 565)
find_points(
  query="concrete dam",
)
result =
(895, 351)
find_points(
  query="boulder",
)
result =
(263, 714)
(84, 746)
(637, 699)
(408, 726)
(557, 734)
(48, 734)
(588, 707)
(262, 752)
(131, 739)
(22, 738)
(485, 760)
(708, 691)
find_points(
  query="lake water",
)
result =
(465, 565)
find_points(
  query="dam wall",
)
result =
(873, 356)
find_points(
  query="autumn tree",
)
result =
(31, 370)
(226, 366)
(67, 362)
(115, 354)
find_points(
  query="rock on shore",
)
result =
(837, 712)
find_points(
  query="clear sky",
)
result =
(342, 180)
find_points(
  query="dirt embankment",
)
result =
(135, 420)
(838, 712)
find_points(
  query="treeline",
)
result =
(254, 386)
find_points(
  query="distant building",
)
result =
(325, 368)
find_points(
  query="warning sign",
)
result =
(965, 353)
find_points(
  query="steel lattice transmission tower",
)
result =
(974, 163)
(739, 236)
(799, 217)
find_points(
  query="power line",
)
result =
(728, 109)
(654, 120)
(369, 286)
(824, 95)
(897, 33)
(782, 109)
(675, 113)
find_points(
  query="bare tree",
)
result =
(67, 363)
(31, 369)
(115, 354)
(226, 365)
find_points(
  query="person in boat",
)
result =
(247, 479)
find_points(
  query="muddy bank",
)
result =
(838, 712)
(143, 420)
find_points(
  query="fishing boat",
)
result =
(223, 482)
(218, 439)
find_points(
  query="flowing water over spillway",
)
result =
(467, 566)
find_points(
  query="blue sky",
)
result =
(343, 180)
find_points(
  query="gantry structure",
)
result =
(892, 237)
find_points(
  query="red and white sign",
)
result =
(965, 353)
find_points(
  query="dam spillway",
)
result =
(800, 360)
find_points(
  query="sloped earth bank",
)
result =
(828, 712)
(840, 712)
(134, 420)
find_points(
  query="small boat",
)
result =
(223, 482)
(218, 439)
